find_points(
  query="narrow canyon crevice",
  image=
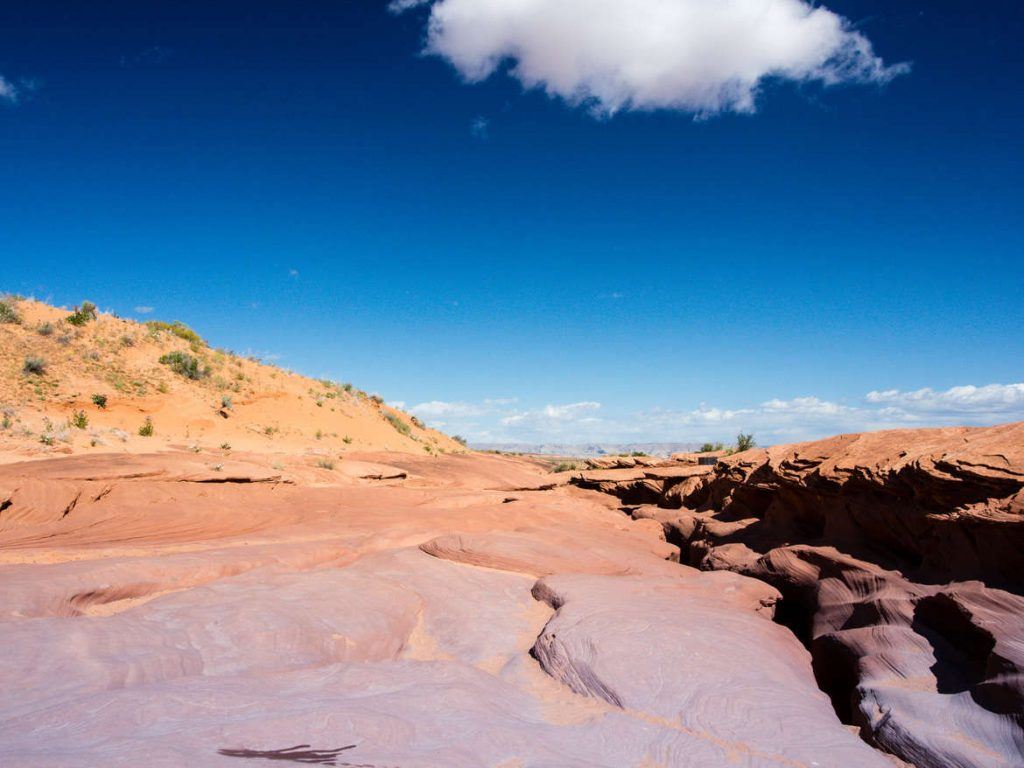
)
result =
(900, 570)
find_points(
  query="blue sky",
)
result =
(541, 225)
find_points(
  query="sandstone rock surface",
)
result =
(900, 559)
(157, 611)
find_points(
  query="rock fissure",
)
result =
(900, 563)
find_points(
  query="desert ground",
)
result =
(289, 570)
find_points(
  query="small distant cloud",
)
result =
(397, 6)
(264, 355)
(9, 92)
(551, 416)
(143, 310)
(479, 128)
(293, 273)
(436, 408)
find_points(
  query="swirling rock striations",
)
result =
(900, 558)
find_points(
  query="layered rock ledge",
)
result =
(900, 559)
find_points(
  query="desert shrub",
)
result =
(45, 329)
(638, 453)
(127, 340)
(416, 422)
(225, 446)
(566, 466)
(319, 434)
(177, 328)
(325, 464)
(711, 447)
(8, 314)
(79, 420)
(346, 440)
(82, 314)
(100, 401)
(225, 402)
(184, 364)
(400, 426)
(460, 440)
(47, 439)
(146, 430)
(347, 387)
(65, 338)
(377, 399)
(34, 365)
(744, 442)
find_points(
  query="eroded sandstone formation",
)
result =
(476, 610)
(392, 612)
(900, 559)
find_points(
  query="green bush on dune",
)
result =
(400, 426)
(82, 314)
(178, 329)
(34, 365)
(8, 314)
(184, 364)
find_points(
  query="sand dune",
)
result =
(234, 401)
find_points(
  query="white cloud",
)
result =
(143, 310)
(501, 401)
(967, 399)
(8, 91)
(772, 421)
(479, 128)
(551, 415)
(697, 56)
(439, 408)
(293, 273)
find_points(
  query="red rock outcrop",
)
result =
(900, 558)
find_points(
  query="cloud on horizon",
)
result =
(693, 56)
(772, 421)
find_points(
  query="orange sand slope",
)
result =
(235, 402)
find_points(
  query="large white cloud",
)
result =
(699, 56)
